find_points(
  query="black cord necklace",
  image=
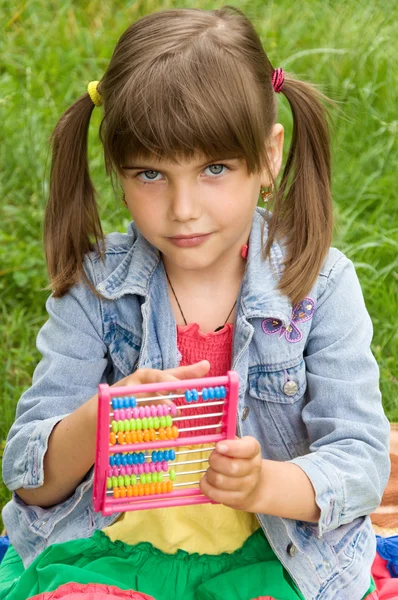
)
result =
(182, 314)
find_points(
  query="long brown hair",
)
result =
(182, 82)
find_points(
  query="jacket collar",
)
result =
(259, 294)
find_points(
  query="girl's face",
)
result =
(197, 213)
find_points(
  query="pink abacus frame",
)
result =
(109, 505)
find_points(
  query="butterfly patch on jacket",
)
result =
(303, 311)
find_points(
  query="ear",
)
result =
(274, 152)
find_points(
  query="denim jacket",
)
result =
(308, 392)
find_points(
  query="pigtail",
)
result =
(71, 218)
(302, 212)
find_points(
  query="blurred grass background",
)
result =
(50, 50)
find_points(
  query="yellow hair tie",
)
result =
(94, 93)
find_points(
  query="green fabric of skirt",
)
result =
(247, 573)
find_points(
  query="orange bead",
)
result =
(169, 486)
(147, 490)
(153, 435)
(140, 436)
(116, 492)
(169, 434)
(129, 491)
(120, 437)
(147, 435)
(128, 437)
(164, 487)
(175, 431)
(135, 490)
(152, 488)
(112, 438)
(162, 433)
(140, 489)
(158, 488)
(133, 437)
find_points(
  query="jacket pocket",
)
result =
(280, 385)
(124, 349)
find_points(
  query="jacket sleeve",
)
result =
(72, 365)
(348, 463)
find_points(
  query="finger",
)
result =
(246, 447)
(224, 482)
(232, 467)
(234, 499)
(199, 369)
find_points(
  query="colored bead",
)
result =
(154, 456)
(160, 455)
(135, 469)
(169, 421)
(138, 424)
(109, 472)
(147, 410)
(205, 394)
(128, 437)
(144, 423)
(160, 410)
(120, 480)
(147, 490)
(118, 459)
(111, 460)
(165, 465)
(223, 391)
(143, 478)
(130, 459)
(169, 433)
(124, 459)
(164, 487)
(150, 423)
(114, 426)
(173, 410)
(119, 403)
(156, 422)
(169, 486)
(135, 458)
(113, 402)
(136, 413)
(147, 435)
(195, 395)
(162, 434)
(112, 438)
(153, 435)
(146, 468)
(126, 424)
(154, 411)
(140, 489)
(217, 393)
(152, 488)
(126, 402)
(149, 478)
(141, 457)
(115, 481)
(133, 480)
(172, 454)
(133, 402)
(175, 433)
(158, 488)
(141, 468)
(122, 471)
(133, 437)
(129, 491)
(129, 469)
(188, 396)
(140, 436)
(123, 491)
(163, 421)
(135, 490)
(141, 410)
(127, 480)
(116, 414)
(122, 414)
(115, 470)
(120, 437)
(109, 483)
(158, 467)
(172, 474)
(116, 492)
(160, 477)
(129, 413)
(155, 477)
(120, 425)
(166, 454)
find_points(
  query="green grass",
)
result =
(49, 50)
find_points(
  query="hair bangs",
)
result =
(202, 103)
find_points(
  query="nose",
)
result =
(184, 203)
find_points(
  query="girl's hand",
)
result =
(235, 474)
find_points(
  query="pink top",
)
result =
(216, 347)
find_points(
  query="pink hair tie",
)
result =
(278, 77)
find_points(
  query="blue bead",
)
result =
(114, 403)
(126, 402)
(111, 460)
(130, 459)
(141, 458)
(135, 459)
(223, 391)
(172, 455)
(118, 459)
(119, 402)
(217, 393)
(166, 454)
(160, 456)
(124, 460)
(133, 402)
(195, 395)
(211, 393)
(154, 456)
(205, 393)
(188, 395)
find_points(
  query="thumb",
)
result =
(199, 369)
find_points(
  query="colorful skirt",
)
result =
(252, 571)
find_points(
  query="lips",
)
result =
(188, 241)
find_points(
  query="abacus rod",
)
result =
(109, 493)
(192, 405)
(204, 416)
(159, 444)
(161, 397)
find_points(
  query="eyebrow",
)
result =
(216, 161)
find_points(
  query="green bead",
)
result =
(169, 421)
(133, 425)
(155, 477)
(120, 480)
(127, 480)
(144, 423)
(149, 478)
(126, 425)
(138, 424)
(115, 482)
(121, 425)
(160, 477)
(115, 428)
(133, 479)
(172, 474)
(143, 478)
(156, 423)
(109, 483)
(150, 423)
(163, 421)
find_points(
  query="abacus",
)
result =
(137, 441)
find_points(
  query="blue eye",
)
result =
(216, 169)
(149, 175)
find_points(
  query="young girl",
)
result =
(203, 281)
